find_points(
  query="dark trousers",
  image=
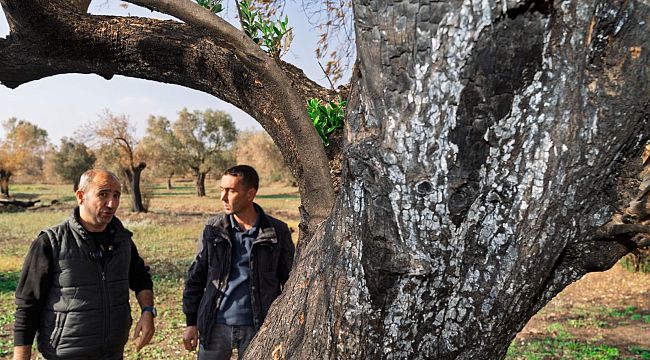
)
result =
(224, 338)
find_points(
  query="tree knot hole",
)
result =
(424, 187)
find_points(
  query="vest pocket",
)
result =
(59, 325)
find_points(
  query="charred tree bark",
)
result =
(5, 175)
(488, 143)
(18, 203)
(132, 175)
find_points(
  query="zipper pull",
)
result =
(103, 276)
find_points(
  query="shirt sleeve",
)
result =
(32, 289)
(139, 277)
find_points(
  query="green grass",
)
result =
(6, 322)
(294, 196)
(642, 353)
(166, 237)
(560, 345)
(8, 281)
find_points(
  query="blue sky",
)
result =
(63, 103)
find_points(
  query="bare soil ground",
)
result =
(611, 307)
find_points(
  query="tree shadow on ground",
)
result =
(8, 281)
(24, 196)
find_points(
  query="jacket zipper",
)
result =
(218, 296)
(104, 292)
(252, 282)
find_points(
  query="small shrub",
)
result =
(213, 5)
(264, 32)
(326, 117)
(637, 262)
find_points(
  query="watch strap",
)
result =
(151, 309)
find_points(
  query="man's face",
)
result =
(235, 197)
(99, 202)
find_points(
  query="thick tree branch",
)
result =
(129, 151)
(194, 15)
(223, 63)
(310, 175)
(81, 5)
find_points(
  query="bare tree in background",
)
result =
(116, 145)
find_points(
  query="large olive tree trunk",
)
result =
(491, 157)
(488, 144)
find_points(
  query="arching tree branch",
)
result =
(205, 54)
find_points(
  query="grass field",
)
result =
(584, 322)
(166, 237)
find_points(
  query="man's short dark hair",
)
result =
(248, 175)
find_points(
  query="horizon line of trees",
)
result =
(196, 144)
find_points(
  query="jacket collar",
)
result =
(266, 232)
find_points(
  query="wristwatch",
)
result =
(151, 309)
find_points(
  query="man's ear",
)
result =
(80, 195)
(251, 193)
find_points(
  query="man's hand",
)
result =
(191, 338)
(144, 330)
(23, 352)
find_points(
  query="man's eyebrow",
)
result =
(108, 190)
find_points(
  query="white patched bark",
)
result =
(471, 193)
(548, 136)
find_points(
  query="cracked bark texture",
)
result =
(488, 143)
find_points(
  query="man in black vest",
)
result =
(74, 287)
(243, 261)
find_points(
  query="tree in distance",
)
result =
(198, 141)
(22, 151)
(163, 149)
(71, 160)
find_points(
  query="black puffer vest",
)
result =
(86, 313)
